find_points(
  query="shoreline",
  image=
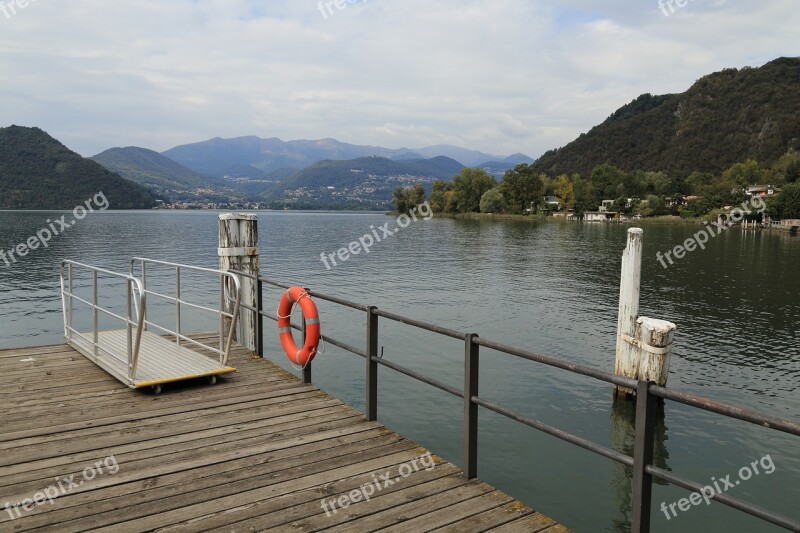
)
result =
(665, 220)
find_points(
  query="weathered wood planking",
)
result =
(258, 451)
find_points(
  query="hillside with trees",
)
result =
(724, 118)
(686, 154)
(523, 190)
(38, 172)
(150, 169)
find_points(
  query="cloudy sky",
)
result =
(501, 76)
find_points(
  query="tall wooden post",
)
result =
(627, 359)
(643, 344)
(238, 250)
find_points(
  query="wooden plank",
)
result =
(244, 424)
(222, 401)
(130, 401)
(158, 487)
(488, 520)
(184, 449)
(73, 392)
(36, 351)
(311, 517)
(126, 405)
(534, 523)
(415, 509)
(164, 513)
(54, 429)
(109, 503)
(268, 514)
(451, 514)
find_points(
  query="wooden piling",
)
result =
(655, 342)
(643, 344)
(627, 359)
(238, 250)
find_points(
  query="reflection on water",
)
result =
(623, 432)
(551, 287)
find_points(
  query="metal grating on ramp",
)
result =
(160, 360)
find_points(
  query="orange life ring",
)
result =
(299, 356)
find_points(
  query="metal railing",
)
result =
(135, 296)
(226, 334)
(644, 471)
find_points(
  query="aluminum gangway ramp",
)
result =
(141, 353)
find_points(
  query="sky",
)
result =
(500, 76)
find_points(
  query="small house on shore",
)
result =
(601, 216)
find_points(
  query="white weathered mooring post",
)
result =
(643, 344)
(238, 250)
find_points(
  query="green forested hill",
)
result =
(151, 169)
(38, 172)
(724, 118)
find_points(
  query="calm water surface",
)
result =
(547, 286)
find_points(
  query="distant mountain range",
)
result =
(257, 157)
(325, 173)
(38, 172)
(724, 118)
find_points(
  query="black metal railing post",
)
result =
(259, 318)
(371, 407)
(471, 362)
(644, 439)
(307, 368)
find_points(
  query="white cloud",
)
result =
(502, 76)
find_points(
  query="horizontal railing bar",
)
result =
(118, 317)
(248, 307)
(421, 325)
(329, 340)
(555, 432)
(576, 368)
(730, 501)
(184, 337)
(140, 260)
(344, 346)
(419, 377)
(731, 411)
(190, 304)
(99, 309)
(99, 270)
(332, 299)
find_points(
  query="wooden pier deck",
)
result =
(258, 451)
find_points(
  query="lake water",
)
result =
(548, 286)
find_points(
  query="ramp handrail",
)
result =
(225, 341)
(135, 294)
